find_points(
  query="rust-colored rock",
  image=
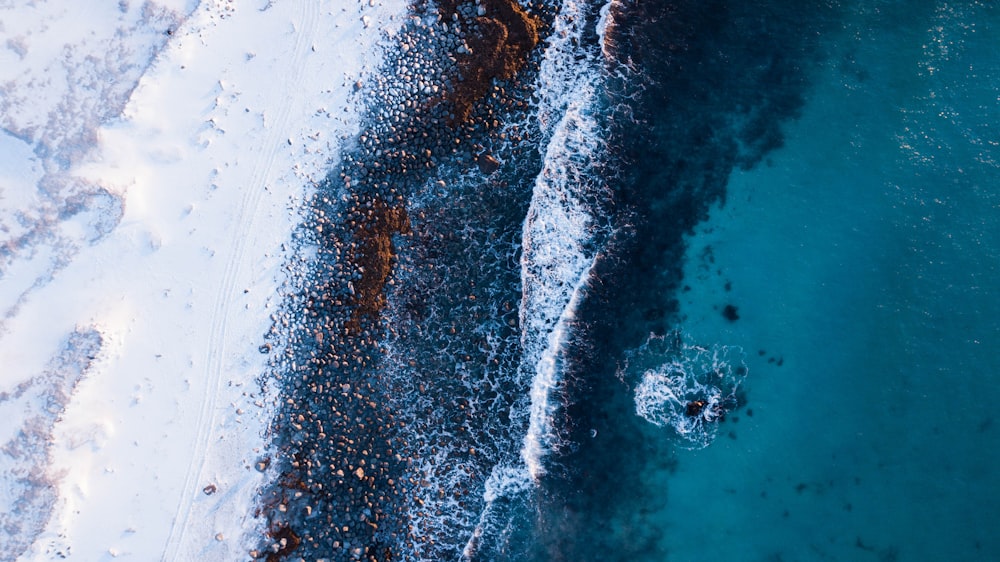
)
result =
(506, 34)
(375, 255)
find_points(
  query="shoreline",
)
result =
(354, 478)
(155, 451)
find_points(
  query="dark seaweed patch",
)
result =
(730, 312)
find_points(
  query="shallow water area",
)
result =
(860, 260)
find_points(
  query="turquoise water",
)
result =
(864, 259)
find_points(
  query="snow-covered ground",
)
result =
(152, 159)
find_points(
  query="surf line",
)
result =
(561, 241)
(561, 232)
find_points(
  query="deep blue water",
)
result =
(730, 294)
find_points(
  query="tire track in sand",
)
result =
(305, 23)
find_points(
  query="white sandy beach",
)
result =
(143, 235)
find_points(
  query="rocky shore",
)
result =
(499, 38)
(349, 483)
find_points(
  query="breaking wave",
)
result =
(562, 231)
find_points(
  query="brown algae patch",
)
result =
(499, 39)
(374, 254)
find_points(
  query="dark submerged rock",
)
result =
(731, 313)
(694, 408)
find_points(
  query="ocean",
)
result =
(651, 281)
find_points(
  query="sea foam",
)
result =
(561, 239)
(671, 373)
(562, 231)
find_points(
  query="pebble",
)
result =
(336, 422)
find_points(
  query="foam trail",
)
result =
(561, 235)
(504, 481)
(559, 249)
(560, 242)
(548, 376)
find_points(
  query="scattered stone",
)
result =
(429, 112)
(286, 541)
(499, 49)
(487, 163)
